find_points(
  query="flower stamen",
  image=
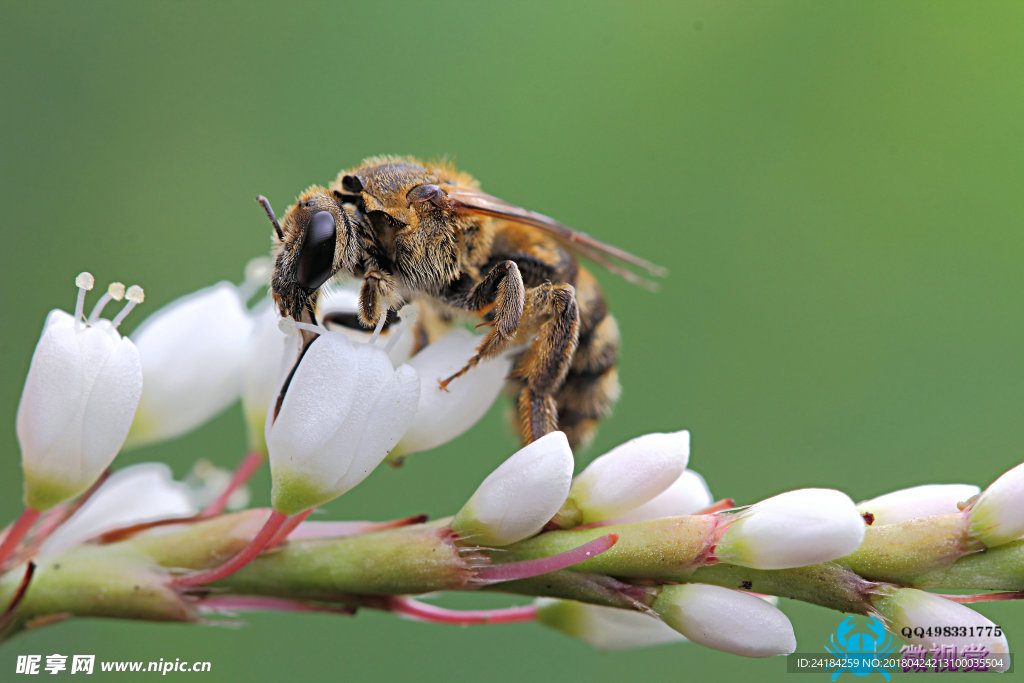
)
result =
(135, 296)
(84, 282)
(115, 292)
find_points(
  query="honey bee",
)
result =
(426, 232)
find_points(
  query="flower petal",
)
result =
(442, 414)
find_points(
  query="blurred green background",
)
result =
(835, 188)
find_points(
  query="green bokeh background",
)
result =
(835, 188)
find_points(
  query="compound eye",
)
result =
(428, 193)
(316, 258)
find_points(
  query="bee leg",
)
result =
(544, 365)
(378, 295)
(503, 292)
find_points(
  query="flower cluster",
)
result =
(326, 404)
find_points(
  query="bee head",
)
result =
(315, 240)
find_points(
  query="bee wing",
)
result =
(472, 201)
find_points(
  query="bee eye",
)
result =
(427, 193)
(351, 183)
(317, 254)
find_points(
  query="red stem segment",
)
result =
(512, 571)
(288, 528)
(250, 464)
(421, 611)
(17, 533)
(273, 525)
(983, 597)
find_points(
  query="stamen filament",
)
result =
(114, 292)
(376, 330)
(84, 282)
(135, 296)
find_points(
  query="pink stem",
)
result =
(984, 597)
(250, 464)
(17, 532)
(511, 571)
(339, 529)
(421, 611)
(19, 595)
(288, 528)
(717, 506)
(257, 603)
(247, 554)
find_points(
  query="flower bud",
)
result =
(517, 499)
(444, 414)
(134, 495)
(792, 529)
(193, 353)
(687, 495)
(725, 619)
(997, 516)
(915, 614)
(80, 395)
(630, 475)
(605, 628)
(916, 501)
(345, 408)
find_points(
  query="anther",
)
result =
(135, 296)
(115, 292)
(84, 282)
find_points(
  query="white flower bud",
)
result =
(345, 408)
(687, 495)
(916, 501)
(630, 475)
(80, 395)
(605, 628)
(134, 495)
(792, 529)
(444, 414)
(914, 614)
(725, 619)
(518, 498)
(997, 516)
(193, 354)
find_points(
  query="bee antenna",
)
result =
(265, 203)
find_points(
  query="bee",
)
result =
(426, 232)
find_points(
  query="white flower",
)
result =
(193, 353)
(345, 408)
(916, 501)
(134, 495)
(908, 609)
(726, 619)
(606, 628)
(343, 302)
(270, 355)
(81, 393)
(630, 475)
(518, 498)
(997, 516)
(444, 414)
(792, 529)
(687, 495)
